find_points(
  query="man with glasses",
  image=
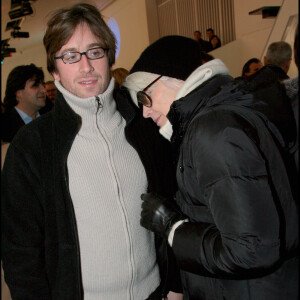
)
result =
(72, 181)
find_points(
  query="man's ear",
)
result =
(56, 76)
(265, 61)
(287, 65)
(18, 95)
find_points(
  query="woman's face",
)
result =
(253, 68)
(156, 116)
(214, 41)
(162, 93)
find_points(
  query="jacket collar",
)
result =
(263, 94)
(281, 75)
(185, 109)
(67, 123)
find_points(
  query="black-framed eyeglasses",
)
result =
(143, 98)
(72, 57)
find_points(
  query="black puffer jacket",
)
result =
(233, 175)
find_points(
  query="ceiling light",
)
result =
(19, 34)
(21, 11)
(13, 24)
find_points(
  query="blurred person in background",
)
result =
(210, 33)
(25, 95)
(292, 90)
(215, 42)
(50, 90)
(205, 46)
(279, 58)
(251, 67)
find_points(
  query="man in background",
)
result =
(205, 46)
(25, 95)
(279, 57)
(292, 91)
(210, 33)
(50, 97)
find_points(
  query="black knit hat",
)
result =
(172, 56)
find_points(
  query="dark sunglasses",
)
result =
(143, 98)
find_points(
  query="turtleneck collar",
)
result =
(103, 106)
(199, 76)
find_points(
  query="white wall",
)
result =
(254, 34)
(236, 53)
(247, 24)
(289, 8)
(132, 20)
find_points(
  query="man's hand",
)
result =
(158, 214)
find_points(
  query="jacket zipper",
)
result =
(99, 105)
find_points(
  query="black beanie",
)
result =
(173, 56)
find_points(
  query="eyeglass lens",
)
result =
(72, 57)
(143, 98)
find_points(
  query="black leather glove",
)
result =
(158, 214)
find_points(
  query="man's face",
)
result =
(197, 35)
(209, 34)
(85, 78)
(32, 97)
(51, 91)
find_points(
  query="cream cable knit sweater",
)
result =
(106, 179)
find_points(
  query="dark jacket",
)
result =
(11, 122)
(205, 45)
(292, 90)
(233, 178)
(40, 249)
(48, 106)
(281, 75)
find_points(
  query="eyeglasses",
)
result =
(143, 98)
(72, 57)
